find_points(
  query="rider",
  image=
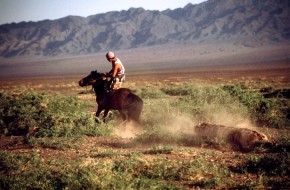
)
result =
(117, 72)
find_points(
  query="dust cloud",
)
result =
(183, 127)
(128, 130)
(183, 123)
(180, 125)
(224, 117)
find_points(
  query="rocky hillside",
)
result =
(248, 21)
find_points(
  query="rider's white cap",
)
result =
(110, 55)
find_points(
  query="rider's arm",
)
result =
(109, 74)
(115, 70)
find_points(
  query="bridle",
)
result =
(91, 81)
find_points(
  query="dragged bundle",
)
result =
(242, 138)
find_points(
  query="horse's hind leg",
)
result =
(134, 118)
(134, 114)
(123, 115)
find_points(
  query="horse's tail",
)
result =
(135, 107)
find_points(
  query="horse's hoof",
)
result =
(97, 120)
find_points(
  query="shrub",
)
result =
(270, 112)
(40, 115)
(150, 93)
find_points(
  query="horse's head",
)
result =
(91, 79)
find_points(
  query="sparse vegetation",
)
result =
(65, 148)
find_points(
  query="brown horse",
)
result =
(128, 104)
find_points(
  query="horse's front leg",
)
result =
(105, 115)
(100, 109)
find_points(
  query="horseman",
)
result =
(117, 73)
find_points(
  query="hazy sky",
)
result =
(36, 10)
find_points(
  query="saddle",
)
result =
(109, 86)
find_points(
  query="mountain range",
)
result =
(248, 22)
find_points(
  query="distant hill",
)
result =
(248, 22)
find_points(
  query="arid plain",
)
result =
(222, 62)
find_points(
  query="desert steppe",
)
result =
(117, 159)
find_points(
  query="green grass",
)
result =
(25, 172)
